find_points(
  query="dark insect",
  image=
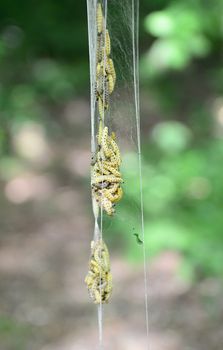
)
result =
(139, 241)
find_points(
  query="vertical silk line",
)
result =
(100, 306)
(92, 37)
(135, 20)
(91, 14)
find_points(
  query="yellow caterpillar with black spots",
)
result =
(106, 178)
(99, 278)
(105, 71)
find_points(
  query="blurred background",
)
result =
(46, 222)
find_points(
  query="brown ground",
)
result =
(46, 228)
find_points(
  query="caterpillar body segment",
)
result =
(107, 43)
(102, 107)
(106, 176)
(111, 84)
(99, 278)
(105, 71)
(112, 170)
(111, 69)
(100, 19)
(107, 205)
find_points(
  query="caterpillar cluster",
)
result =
(105, 71)
(99, 278)
(106, 176)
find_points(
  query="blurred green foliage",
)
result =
(182, 164)
(44, 64)
(14, 335)
(43, 60)
(184, 30)
(183, 194)
(183, 190)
